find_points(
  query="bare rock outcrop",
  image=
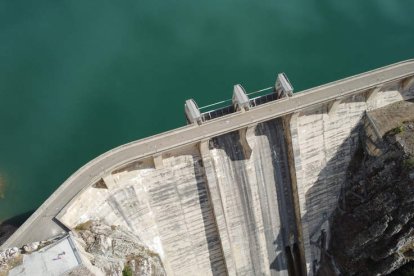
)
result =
(373, 226)
(116, 251)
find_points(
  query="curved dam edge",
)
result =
(43, 224)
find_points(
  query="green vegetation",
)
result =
(127, 271)
(409, 163)
(398, 129)
(83, 226)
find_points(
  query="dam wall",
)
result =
(324, 146)
(220, 210)
(166, 207)
(230, 204)
(255, 196)
(249, 193)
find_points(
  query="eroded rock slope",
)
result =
(373, 227)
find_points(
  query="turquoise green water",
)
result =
(78, 78)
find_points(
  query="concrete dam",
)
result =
(245, 192)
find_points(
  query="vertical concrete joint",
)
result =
(372, 93)
(216, 201)
(204, 148)
(292, 119)
(246, 135)
(158, 161)
(333, 107)
(109, 181)
(407, 83)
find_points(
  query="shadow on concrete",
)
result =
(136, 165)
(280, 261)
(271, 161)
(210, 228)
(286, 242)
(323, 197)
(230, 143)
(9, 226)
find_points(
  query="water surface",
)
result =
(78, 78)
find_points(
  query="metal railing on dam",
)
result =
(45, 221)
(226, 110)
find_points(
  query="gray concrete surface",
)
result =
(53, 260)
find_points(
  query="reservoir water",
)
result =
(79, 78)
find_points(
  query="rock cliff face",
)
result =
(118, 252)
(372, 230)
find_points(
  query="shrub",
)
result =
(409, 163)
(398, 129)
(127, 271)
(83, 226)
